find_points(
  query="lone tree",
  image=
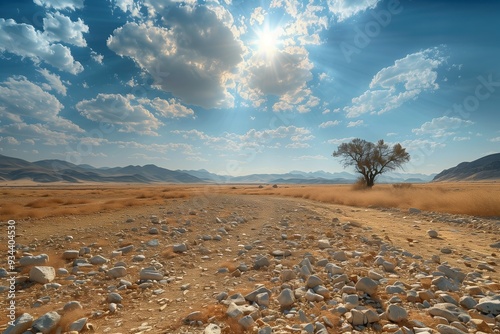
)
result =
(371, 159)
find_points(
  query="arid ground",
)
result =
(227, 226)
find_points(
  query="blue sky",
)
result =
(240, 87)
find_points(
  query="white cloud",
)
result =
(194, 58)
(170, 108)
(20, 98)
(495, 139)
(60, 4)
(461, 138)
(442, 126)
(37, 132)
(98, 58)
(9, 140)
(284, 75)
(60, 28)
(399, 83)
(354, 124)
(338, 141)
(257, 16)
(329, 124)
(425, 145)
(254, 140)
(23, 40)
(311, 157)
(54, 81)
(129, 6)
(125, 112)
(296, 145)
(344, 9)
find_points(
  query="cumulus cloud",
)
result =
(23, 40)
(399, 83)
(194, 58)
(329, 124)
(253, 139)
(344, 9)
(20, 99)
(59, 28)
(354, 124)
(98, 58)
(37, 132)
(169, 108)
(257, 16)
(284, 75)
(60, 4)
(125, 112)
(442, 126)
(54, 81)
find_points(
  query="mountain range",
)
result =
(44, 171)
(485, 168)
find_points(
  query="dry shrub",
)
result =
(402, 185)
(360, 184)
(44, 203)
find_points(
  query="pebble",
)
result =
(432, 233)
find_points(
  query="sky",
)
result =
(240, 87)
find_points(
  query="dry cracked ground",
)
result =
(258, 264)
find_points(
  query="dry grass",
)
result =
(477, 199)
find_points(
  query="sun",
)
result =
(268, 41)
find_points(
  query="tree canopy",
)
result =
(371, 159)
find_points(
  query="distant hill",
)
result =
(12, 169)
(54, 170)
(483, 169)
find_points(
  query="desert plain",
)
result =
(421, 258)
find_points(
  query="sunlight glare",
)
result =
(268, 41)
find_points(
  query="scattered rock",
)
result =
(47, 322)
(432, 233)
(31, 260)
(42, 274)
(20, 325)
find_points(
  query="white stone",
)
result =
(367, 285)
(212, 329)
(42, 274)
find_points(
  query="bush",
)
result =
(360, 184)
(402, 185)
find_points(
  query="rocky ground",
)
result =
(257, 264)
